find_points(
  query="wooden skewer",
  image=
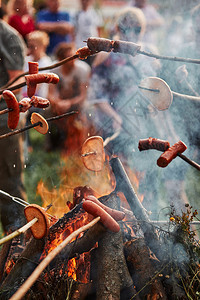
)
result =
(5, 111)
(36, 273)
(172, 58)
(35, 124)
(189, 161)
(105, 143)
(18, 232)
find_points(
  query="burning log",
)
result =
(23, 268)
(123, 185)
(3, 257)
(36, 273)
(112, 273)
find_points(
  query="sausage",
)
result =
(12, 103)
(41, 227)
(33, 67)
(170, 154)
(99, 44)
(84, 52)
(126, 47)
(115, 214)
(81, 192)
(43, 127)
(95, 210)
(153, 143)
(24, 104)
(39, 102)
(33, 79)
(31, 88)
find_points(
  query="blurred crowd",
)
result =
(104, 87)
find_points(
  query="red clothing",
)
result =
(23, 24)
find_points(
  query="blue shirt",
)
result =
(55, 38)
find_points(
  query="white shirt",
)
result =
(86, 24)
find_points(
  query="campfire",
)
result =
(138, 260)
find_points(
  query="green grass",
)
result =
(41, 165)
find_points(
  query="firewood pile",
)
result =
(140, 261)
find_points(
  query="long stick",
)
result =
(178, 95)
(65, 60)
(189, 161)
(173, 58)
(36, 273)
(18, 232)
(3, 136)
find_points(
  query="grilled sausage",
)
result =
(126, 47)
(115, 214)
(99, 44)
(13, 105)
(170, 154)
(33, 79)
(33, 67)
(84, 52)
(39, 102)
(95, 210)
(24, 104)
(153, 143)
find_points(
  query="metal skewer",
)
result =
(35, 124)
(178, 95)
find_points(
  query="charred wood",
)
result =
(81, 245)
(23, 268)
(3, 258)
(112, 272)
(143, 273)
(124, 185)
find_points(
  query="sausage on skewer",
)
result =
(33, 67)
(13, 106)
(115, 214)
(95, 210)
(170, 154)
(153, 143)
(33, 79)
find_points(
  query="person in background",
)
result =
(153, 20)
(69, 95)
(115, 78)
(88, 23)
(118, 106)
(21, 16)
(56, 23)
(12, 51)
(37, 42)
